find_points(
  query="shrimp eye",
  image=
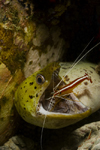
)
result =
(40, 79)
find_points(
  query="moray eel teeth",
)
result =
(65, 105)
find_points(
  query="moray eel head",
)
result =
(34, 96)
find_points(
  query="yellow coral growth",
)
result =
(10, 54)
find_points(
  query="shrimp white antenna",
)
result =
(82, 51)
(84, 56)
(74, 64)
(41, 144)
(42, 133)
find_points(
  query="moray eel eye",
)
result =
(40, 79)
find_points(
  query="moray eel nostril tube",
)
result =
(41, 96)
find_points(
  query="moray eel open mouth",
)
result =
(65, 104)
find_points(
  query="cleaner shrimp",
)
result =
(67, 90)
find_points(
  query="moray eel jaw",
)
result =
(81, 114)
(66, 112)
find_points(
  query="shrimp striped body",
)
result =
(72, 85)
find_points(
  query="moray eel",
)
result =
(59, 95)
